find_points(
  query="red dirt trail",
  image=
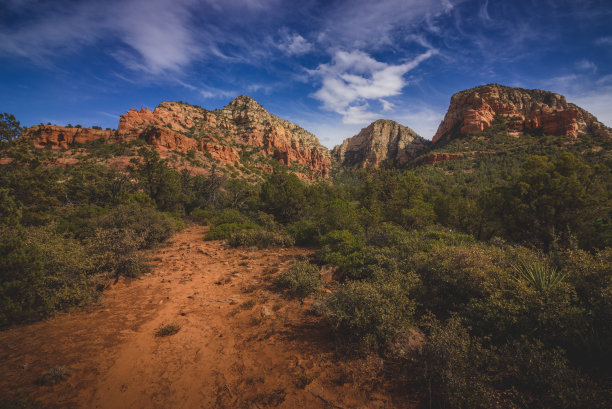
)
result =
(241, 344)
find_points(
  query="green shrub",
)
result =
(452, 368)
(305, 232)
(539, 276)
(301, 280)
(203, 216)
(343, 249)
(166, 330)
(452, 276)
(54, 376)
(227, 216)
(117, 250)
(225, 231)
(40, 273)
(260, 238)
(147, 223)
(372, 313)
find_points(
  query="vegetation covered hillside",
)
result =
(483, 281)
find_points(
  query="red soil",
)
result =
(227, 354)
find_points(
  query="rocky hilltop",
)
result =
(382, 140)
(243, 126)
(473, 111)
(63, 137)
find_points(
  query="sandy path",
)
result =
(241, 345)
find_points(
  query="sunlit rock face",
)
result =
(381, 141)
(223, 133)
(472, 111)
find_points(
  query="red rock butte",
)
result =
(224, 133)
(472, 111)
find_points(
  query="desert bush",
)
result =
(451, 362)
(539, 275)
(343, 249)
(225, 230)
(149, 225)
(372, 313)
(117, 250)
(452, 276)
(166, 330)
(300, 280)
(203, 216)
(227, 216)
(54, 376)
(260, 238)
(40, 272)
(460, 370)
(305, 231)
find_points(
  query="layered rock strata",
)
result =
(381, 141)
(175, 126)
(472, 111)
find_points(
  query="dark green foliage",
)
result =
(149, 226)
(226, 230)
(167, 329)
(552, 198)
(283, 195)
(40, 272)
(300, 280)
(343, 249)
(10, 210)
(372, 313)
(539, 276)
(158, 180)
(9, 127)
(54, 376)
(260, 238)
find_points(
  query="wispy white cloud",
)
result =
(592, 94)
(364, 23)
(294, 44)
(421, 117)
(160, 34)
(607, 41)
(586, 65)
(354, 78)
(157, 35)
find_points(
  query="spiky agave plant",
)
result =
(539, 276)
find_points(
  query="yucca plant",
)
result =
(539, 276)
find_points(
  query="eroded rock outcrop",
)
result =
(473, 111)
(221, 134)
(381, 141)
(63, 137)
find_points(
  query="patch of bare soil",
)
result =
(240, 344)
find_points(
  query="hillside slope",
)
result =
(243, 131)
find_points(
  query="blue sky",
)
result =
(330, 66)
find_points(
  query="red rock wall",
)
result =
(61, 137)
(472, 111)
(173, 126)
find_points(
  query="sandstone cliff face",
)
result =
(221, 134)
(62, 137)
(473, 110)
(381, 141)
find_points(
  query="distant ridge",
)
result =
(381, 141)
(473, 111)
